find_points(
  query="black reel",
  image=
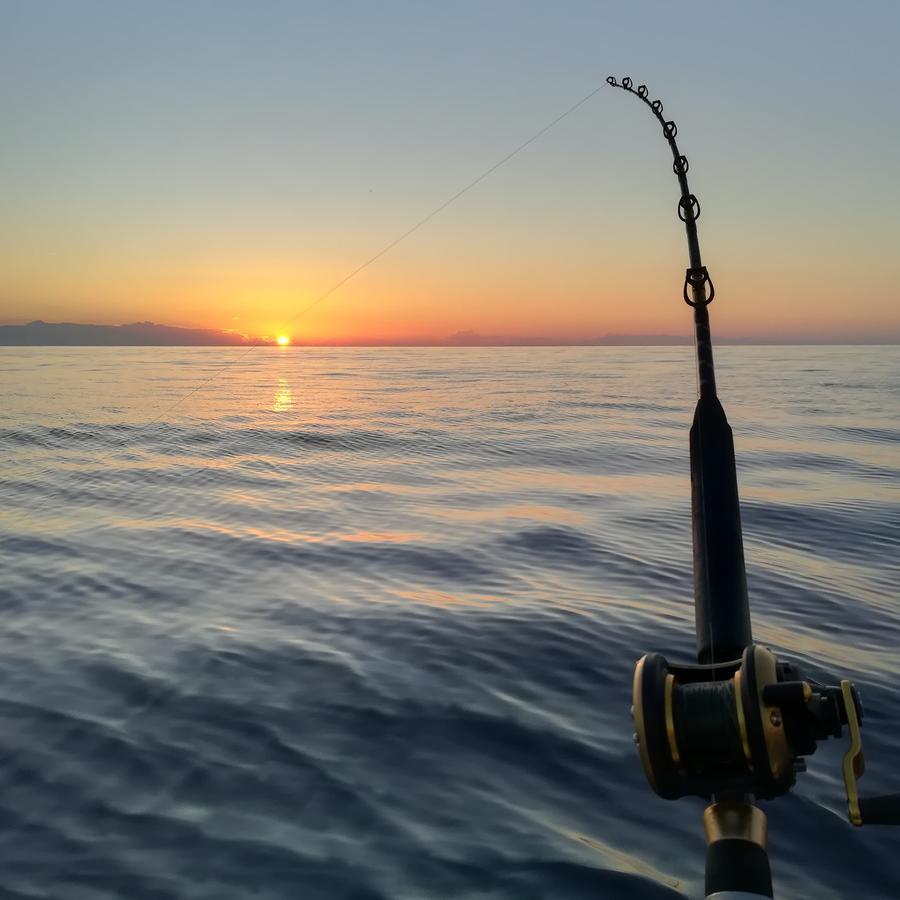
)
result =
(731, 729)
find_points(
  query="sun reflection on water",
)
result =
(284, 397)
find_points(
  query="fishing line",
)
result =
(384, 250)
(128, 719)
(361, 267)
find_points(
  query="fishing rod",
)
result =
(735, 727)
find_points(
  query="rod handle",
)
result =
(733, 864)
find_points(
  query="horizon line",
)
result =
(150, 334)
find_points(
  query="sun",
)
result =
(283, 340)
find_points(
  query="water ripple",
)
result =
(360, 624)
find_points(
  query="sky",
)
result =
(219, 164)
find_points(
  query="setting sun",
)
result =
(283, 340)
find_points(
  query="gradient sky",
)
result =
(221, 164)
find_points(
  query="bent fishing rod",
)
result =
(735, 727)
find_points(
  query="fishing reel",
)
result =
(744, 727)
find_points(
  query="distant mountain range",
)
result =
(137, 334)
(474, 339)
(150, 334)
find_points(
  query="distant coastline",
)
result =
(136, 334)
(151, 334)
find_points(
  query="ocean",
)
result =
(361, 623)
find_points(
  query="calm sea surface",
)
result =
(361, 623)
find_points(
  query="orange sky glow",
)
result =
(562, 295)
(167, 178)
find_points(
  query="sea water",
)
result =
(361, 623)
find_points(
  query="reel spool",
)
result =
(732, 729)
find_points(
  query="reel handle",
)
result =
(884, 810)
